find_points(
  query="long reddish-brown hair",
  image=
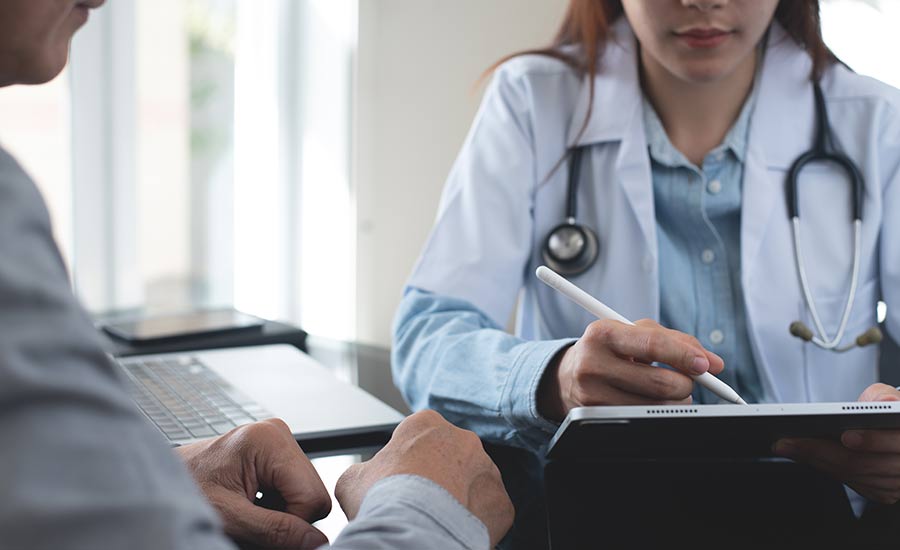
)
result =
(587, 23)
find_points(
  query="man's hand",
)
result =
(261, 457)
(866, 460)
(426, 445)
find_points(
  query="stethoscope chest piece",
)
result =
(570, 248)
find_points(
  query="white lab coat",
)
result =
(499, 205)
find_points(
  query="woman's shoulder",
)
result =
(537, 85)
(872, 103)
(537, 65)
(842, 84)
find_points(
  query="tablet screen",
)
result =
(186, 324)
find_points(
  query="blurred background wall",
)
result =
(419, 63)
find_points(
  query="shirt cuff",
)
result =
(519, 400)
(439, 508)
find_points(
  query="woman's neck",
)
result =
(697, 116)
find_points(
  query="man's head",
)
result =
(35, 37)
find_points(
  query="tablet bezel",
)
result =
(709, 431)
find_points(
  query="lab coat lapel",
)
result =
(636, 179)
(781, 130)
(617, 117)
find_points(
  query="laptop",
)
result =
(191, 396)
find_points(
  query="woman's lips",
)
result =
(703, 38)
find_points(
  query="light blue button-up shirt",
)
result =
(698, 224)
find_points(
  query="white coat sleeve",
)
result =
(450, 351)
(480, 245)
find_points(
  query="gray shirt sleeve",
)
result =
(81, 468)
(410, 513)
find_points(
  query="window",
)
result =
(862, 34)
(205, 159)
(36, 128)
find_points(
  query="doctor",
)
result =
(674, 124)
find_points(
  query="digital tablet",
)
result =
(182, 326)
(709, 431)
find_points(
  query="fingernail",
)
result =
(700, 365)
(313, 540)
(852, 439)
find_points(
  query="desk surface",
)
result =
(367, 366)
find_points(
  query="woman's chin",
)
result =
(705, 72)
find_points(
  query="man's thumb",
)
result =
(270, 528)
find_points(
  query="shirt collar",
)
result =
(783, 94)
(662, 150)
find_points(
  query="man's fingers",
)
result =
(259, 526)
(285, 469)
(649, 344)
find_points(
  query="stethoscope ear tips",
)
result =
(801, 331)
(871, 336)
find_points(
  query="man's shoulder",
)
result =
(18, 193)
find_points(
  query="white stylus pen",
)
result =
(602, 311)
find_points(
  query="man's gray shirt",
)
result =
(80, 467)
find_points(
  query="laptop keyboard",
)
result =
(186, 399)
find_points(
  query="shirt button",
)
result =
(716, 337)
(708, 256)
(714, 187)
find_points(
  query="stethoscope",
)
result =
(826, 150)
(572, 248)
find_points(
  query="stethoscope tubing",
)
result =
(825, 150)
(822, 340)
